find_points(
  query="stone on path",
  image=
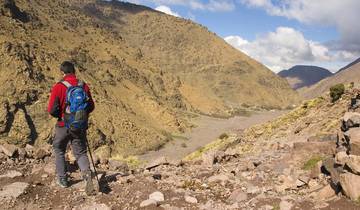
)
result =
(11, 174)
(96, 206)
(157, 196)
(160, 161)
(148, 202)
(190, 199)
(237, 196)
(325, 193)
(8, 149)
(13, 190)
(285, 205)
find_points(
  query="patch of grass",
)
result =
(131, 161)
(175, 136)
(217, 144)
(311, 163)
(268, 129)
(224, 136)
(276, 207)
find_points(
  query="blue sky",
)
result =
(278, 33)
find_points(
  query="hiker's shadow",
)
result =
(105, 180)
(102, 178)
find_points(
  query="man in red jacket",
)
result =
(63, 135)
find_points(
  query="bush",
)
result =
(223, 136)
(336, 92)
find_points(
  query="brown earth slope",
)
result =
(146, 70)
(346, 76)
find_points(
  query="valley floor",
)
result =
(207, 130)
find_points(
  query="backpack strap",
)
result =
(66, 83)
(80, 83)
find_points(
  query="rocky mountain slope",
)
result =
(147, 71)
(346, 77)
(277, 165)
(349, 65)
(302, 76)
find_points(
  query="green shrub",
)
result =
(336, 92)
(223, 136)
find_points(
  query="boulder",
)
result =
(190, 199)
(29, 149)
(95, 206)
(148, 203)
(41, 153)
(237, 196)
(353, 162)
(14, 190)
(157, 196)
(325, 193)
(351, 119)
(157, 162)
(208, 158)
(8, 149)
(332, 168)
(11, 174)
(341, 158)
(350, 184)
(118, 166)
(220, 178)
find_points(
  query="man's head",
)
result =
(67, 67)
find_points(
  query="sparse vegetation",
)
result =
(336, 92)
(311, 163)
(215, 145)
(224, 136)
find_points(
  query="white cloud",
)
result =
(343, 14)
(210, 5)
(287, 47)
(167, 10)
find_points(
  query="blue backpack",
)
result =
(77, 101)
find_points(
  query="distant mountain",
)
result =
(346, 76)
(349, 65)
(302, 76)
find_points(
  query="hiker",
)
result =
(71, 125)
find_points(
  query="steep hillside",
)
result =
(349, 65)
(301, 76)
(147, 70)
(351, 74)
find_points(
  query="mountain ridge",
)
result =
(300, 76)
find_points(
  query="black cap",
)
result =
(67, 67)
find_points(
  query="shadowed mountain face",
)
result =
(301, 76)
(147, 72)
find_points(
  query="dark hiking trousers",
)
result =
(78, 144)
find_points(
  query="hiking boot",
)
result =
(63, 182)
(89, 186)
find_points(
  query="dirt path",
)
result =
(207, 130)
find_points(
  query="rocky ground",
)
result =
(280, 175)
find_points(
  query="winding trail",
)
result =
(207, 130)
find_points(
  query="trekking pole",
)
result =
(92, 161)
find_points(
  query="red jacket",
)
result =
(56, 105)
